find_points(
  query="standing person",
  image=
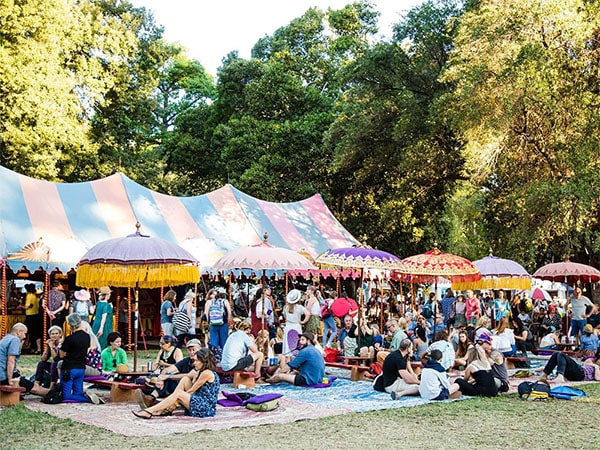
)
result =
(306, 368)
(82, 305)
(292, 313)
(448, 308)
(73, 353)
(33, 318)
(218, 311)
(473, 308)
(167, 310)
(579, 314)
(313, 325)
(10, 351)
(262, 311)
(187, 306)
(57, 303)
(329, 325)
(501, 306)
(398, 378)
(460, 317)
(103, 318)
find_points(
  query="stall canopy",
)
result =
(72, 217)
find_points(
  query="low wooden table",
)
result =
(10, 395)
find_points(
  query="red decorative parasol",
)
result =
(568, 272)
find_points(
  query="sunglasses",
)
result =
(115, 362)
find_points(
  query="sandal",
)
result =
(167, 412)
(143, 414)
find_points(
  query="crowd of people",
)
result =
(435, 349)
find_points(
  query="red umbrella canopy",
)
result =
(569, 272)
(263, 256)
(436, 263)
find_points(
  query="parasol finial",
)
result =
(491, 252)
(138, 226)
(265, 237)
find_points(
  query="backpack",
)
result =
(181, 321)
(537, 390)
(216, 312)
(325, 311)
(566, 393)
(427, 312)
(54, 395)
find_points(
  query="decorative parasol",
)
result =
(137, 261)
(436, 263)
(568, 272)
(362, 257)
(539, 294)
(497, 273)
(263, 256)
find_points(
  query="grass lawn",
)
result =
(503, 422)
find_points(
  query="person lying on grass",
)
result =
(197, 392)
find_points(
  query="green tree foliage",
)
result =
(396, 160)
(526, 101)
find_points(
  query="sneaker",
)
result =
(93, 398)
(144, 401)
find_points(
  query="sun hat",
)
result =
(588, 328)
(104, 290)
(82, 295)
(122, 368)
(293, 296)
(309, 336)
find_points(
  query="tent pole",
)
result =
(4, 310)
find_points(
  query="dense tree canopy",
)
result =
(475, 125)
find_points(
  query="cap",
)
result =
(193, 343)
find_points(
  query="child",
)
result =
(434, 379)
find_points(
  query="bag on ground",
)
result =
(566, 393)
(54, 395)
(537, 390)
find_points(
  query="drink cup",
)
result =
(273, 361)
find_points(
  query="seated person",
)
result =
(442, 344)
(496, 360)
(503, 338)
(478, 379)
(588, 343)
(397, 332)
(50, 358)
(460, 356)
(434, 379)
(567, 369)
(197, 392)
(398, 378)
(551, 340)
(240, 352)
(113, 355)
(168, 379)
(168, 354)
(306, 368)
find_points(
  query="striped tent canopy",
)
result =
(70, 218)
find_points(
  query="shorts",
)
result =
(299, 380)
(23, 382)
(244, 362)
(397, 386)
(444, 394)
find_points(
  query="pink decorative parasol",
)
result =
(568, 272)
(342, 306)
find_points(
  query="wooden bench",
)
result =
(357, 360)
(120, 391)
(240, 377)
(549, 352)
(10, 395)
(357, 373)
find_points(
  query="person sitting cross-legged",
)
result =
(305, 369)
(197, 392)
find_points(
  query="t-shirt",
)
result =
(579, 305)
(184, 365)
(448, 353)
(76, 348)
(392, 365)
(164, 307)
(588, 342)
(110, 362)
(309, 361)
(10, 345)
(398, 337)
(235, 348)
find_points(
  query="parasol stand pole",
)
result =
(262, 285)
(136, 293)
(362, 305)
(4, 310)
(45, 300)
(129, 319)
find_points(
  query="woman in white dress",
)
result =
(292, 314)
